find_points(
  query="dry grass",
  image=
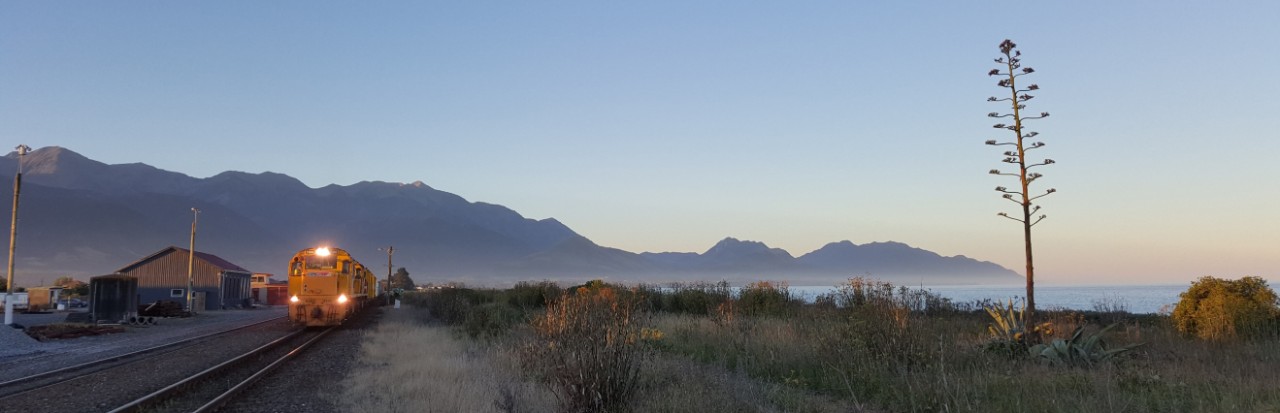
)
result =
(866, 350)
(947, 370)
(679, 385)
(407, 366)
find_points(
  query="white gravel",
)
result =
(14, 342)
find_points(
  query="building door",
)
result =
(197, 301)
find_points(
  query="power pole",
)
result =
(13, 236)
(191, 260)
(390, 250)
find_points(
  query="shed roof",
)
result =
(116, 276)
(213, 260)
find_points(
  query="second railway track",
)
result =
(52, 377)
(209, 389)
(100, 388)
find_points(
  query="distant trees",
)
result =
(72, 287)
(402, 280)
(1010, 70)
(1219, 309)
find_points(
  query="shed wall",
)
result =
(158, 276)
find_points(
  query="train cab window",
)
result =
(346, 267)
(318, 262)
(297, 269)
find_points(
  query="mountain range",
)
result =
(82, 217)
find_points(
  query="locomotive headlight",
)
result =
(322, 251)
(342, 298)
(293, 299)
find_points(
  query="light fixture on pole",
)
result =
(13, 236)
(191, 259)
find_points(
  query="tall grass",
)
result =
(408, 366)
(869, 346)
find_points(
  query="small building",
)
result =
(43, 298)
(267, 291)
(113, 297)
(163, 276)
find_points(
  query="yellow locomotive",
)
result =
(326, 286)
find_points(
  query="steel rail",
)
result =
(118, 357)
(176, 387)
(223, 398)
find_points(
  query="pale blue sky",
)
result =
(666, 126)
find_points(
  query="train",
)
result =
(327, 286)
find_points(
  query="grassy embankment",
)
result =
(870, 347)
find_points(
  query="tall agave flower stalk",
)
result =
(1010, 72)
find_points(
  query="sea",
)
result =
(1136, 299)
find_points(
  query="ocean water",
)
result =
(1138, 299)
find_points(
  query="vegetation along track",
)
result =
(101, 388)
(209, 389)
(16, 388)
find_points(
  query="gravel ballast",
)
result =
(312, 381)
(26, 358)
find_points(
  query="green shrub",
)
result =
(451, 305)
(764, 298)
(1220, 309)
(528, 295)
(491, 320)
(699, 298)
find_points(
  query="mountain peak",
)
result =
(52, 159)
(268, 180)
(731, 246)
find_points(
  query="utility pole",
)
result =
(191, 260)
(13, 236)
(390, 250)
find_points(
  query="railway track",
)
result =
(19, 386)
(209, 389)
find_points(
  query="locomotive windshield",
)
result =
(319, 262)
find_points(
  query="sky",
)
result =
(669, 125)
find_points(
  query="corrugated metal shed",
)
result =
(163, 276)
(113, 297)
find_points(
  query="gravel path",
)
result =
(26, 357)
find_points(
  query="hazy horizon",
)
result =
(667, 126)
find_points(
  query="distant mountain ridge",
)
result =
(82, 217)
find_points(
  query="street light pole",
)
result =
(191, 259)
(13, 237)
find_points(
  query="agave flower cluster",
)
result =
(1010, 73)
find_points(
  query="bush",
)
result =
(491, 320)
(527, 295)
(764, 298)
(450, 305)
(589, 345)
(1220, 309)
(880, 321)
(699, 298)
